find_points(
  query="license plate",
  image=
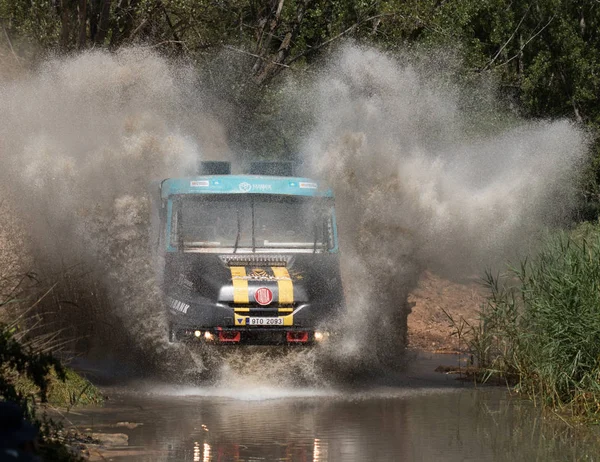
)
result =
(262, 321)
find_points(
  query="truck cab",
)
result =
(249, 259)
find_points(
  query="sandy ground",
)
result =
(429, 327)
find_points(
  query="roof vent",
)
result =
(213, 167)
(273, 168)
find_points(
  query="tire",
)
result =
(172, 334)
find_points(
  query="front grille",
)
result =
(255, 260)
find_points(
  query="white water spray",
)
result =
(83, 138)
(427, 175)
(421, 182)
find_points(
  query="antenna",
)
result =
(214, 167)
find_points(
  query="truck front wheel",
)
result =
(172, 334)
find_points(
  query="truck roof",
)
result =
(244, 184)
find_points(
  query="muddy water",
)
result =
(419, 415)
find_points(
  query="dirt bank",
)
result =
(429, 327)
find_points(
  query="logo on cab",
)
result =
(245, 187)
(263, 296)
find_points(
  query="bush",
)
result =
(541, 325)
(19, 362)
(29, 376)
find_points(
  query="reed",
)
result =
(540, 327)
(30, 374)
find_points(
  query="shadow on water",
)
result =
(424, 416)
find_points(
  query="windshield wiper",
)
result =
(325, 237)
(239, 231)
(179, 230)
(253, 236)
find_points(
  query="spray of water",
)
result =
(425, 173)
(83, 138)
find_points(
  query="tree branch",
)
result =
(82, 18)
(508, 41)
(340, 35)
(254, 55)
(177, 41)
(571, 98)
(528, 40)
(10, 43)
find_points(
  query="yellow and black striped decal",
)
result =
(246, 280)
(284, 284)
(240, 285)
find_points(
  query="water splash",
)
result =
(83, 138)
(428, 173)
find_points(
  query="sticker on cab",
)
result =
(199, 183)
(240, 320)
(308, 185)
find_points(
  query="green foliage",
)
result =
(545, 54)
(29, 377)
(36, 21)
(16, 359)
(69, 390)
(542, 323)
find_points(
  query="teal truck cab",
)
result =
(249, 259)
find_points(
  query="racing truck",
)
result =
(249, 258)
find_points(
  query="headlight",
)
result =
(320, 336)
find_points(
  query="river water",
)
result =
(419, 415)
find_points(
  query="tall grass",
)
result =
(30, 374)
(541, 324)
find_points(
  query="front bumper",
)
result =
(250, 336)
(225, 325)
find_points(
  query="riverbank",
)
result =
(32, 383)
(538, 327)
(434, 300)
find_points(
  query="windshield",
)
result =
(252, 222)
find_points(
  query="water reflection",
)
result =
(449, 425)
(234, 452)
(206, 453)
(320, 450)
